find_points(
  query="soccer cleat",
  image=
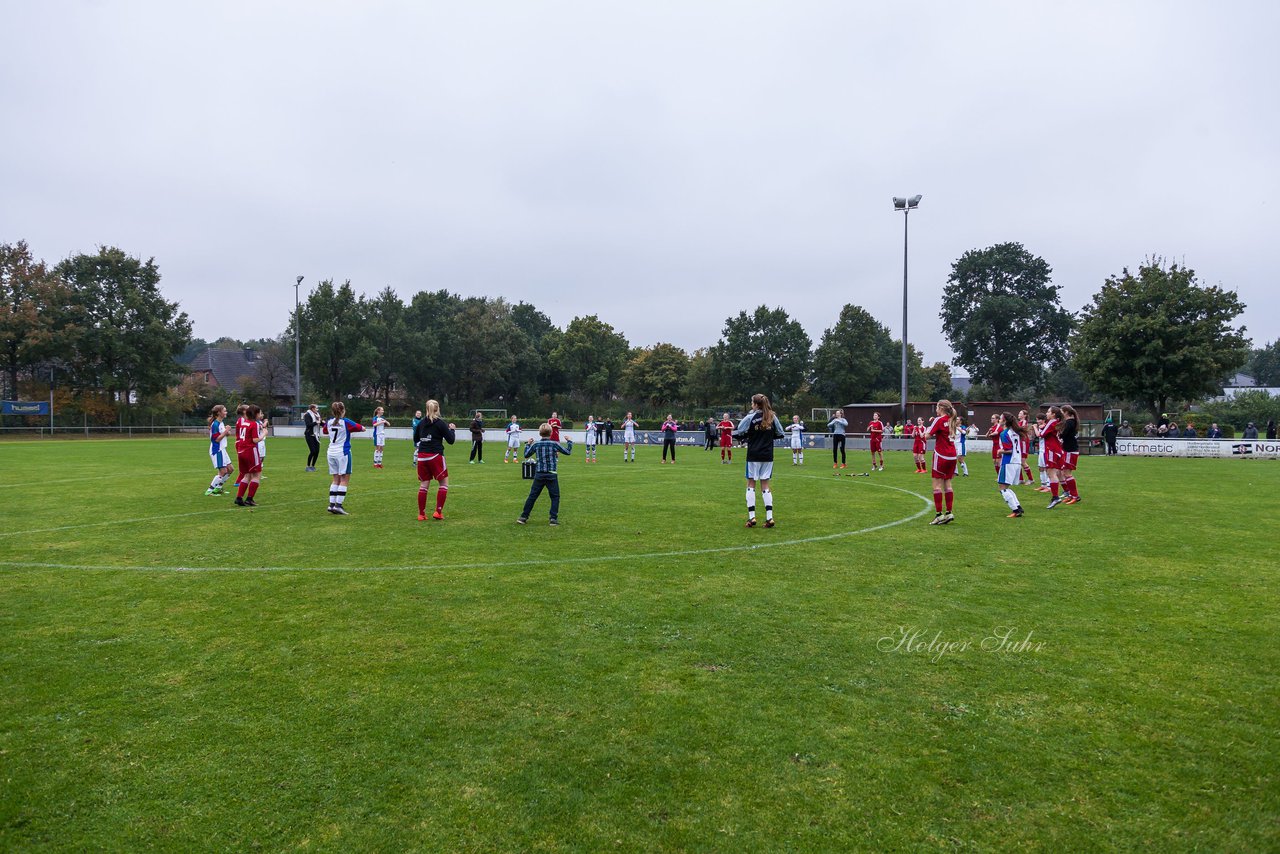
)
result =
(751, 523)
(1054, 503)
(437, 515)
(332, 508)
(422, 517)
(482, 462)
(1070, 499)
(239, 501)
(843, 466)
(1016, 514)
(249, 502)
(768, 523)
(340, 510)
(471, 462)
(936, 520)
(554, 523)
(210, 491)
(520, 521)
(947, 518)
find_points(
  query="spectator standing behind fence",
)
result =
(1109, 433)
(1126, 432)
(1271, 430)
(608, 431)
(1214, 432)
(1250, 432)
(1190, 432)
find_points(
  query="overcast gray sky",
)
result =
(660, 164)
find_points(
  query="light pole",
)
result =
(906, 206)
(297, 344)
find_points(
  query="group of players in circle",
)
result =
(1056, 432)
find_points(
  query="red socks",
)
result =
(937, 501)
(253, 487)
(1070, 485)
(950, 497)
(441, 494)
(422, 499)
(1053, 489)
(242, 486)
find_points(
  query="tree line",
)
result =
(1151, 337)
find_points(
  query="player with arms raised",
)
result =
(943, 430)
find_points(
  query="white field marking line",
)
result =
(502, 564)
(220, 509)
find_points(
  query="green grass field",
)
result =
(180, 674)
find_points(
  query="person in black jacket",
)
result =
(1271, 430)
(759, 429)
(477, 439)
(709, 435)
(429, 438)
(310, 421)
(1109, 433)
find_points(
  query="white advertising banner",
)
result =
(1223, 448)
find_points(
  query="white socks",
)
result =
(751, 503)
(964, 467)
(768, 505)
(1010, 498)
(337, 494)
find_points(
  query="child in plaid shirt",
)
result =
(544, 476)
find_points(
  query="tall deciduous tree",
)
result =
(1264, 364)
(388, 333)
(765, 351)
(702, 383)
(591, 355)
(1002, 316)
(33, 314)
(1159, 336)
(337, 356)
(656, 374)
(855, 358)
(130, 335)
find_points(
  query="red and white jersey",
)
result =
(875, 427)
(909, 430)
(555, 429)
(246, 435)
(943, 443)
(1052, 441)
(725, 428)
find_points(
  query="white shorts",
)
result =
(1010, 473)
(262, 450)
(591, 443)
(1040, 459)
(378, 439)
(513, 441)
(221, 459)
(628, 438)
(759, 471)
(796, 444)
(339, 463)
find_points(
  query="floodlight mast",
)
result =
(297, 344)
(906, 206)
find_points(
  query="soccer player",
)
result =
(1025, 475)
(429, 438)
(218, 433)
(544, 475)
(240, 418)
(513, 441)
(962, 440)
(310, 421)
(725, 428)
(339, 429)
(1053, 453)
(263, 425)
(250, 464)
(1013, 434)
(993, 433)
(477, 440)
(759, 428)
(556, 424)
(876, 430)
(1040, 446)
(918, 445)
(1070, 453)
(796, 429)
(379, 426)
(669, 428)
(413, 425)
(942, 429)
(592, 437)
(629, 439)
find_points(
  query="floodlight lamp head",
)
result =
(914, 201)
(899, 203)
(300, 278)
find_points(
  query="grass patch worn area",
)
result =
(177, 673)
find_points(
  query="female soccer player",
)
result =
(429, 438)
(838, 425)
(218, 433)
(263, 425)
(942, 429)
(1012, 438)
(759, 428)
(1038, 435)
(310, 421)
(380, 426)
(876, 431)
(962, 441)
(250, 464)
(796, 429)
(918, 444)
(993, 433)
(513, 441)
(556, 424)
(669, 428)
(590, 438)
(1025, 474)
(725, 427)
(339, 429)
(629, 439)
(1070, 453)
(240, 419)
(1053, 453)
